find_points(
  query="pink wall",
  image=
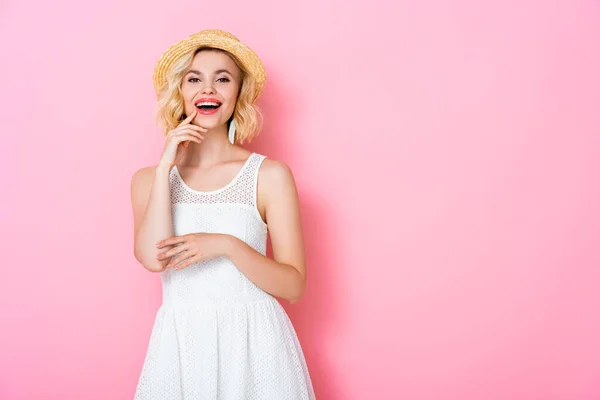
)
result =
(447, 154)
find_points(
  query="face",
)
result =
(211, 85)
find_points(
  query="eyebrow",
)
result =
(194, 71)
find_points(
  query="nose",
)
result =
(208, 88)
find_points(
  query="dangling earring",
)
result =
(232, 132)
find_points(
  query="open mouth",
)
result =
(207, 105)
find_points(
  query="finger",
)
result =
(175, 261)
(183, 133)
(172, 252)
(170, 241)
(187, 129)
(186, 141)
(192, 127)
(186, 263)
(190, 132)
(189, 117)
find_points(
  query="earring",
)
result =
(232, 132)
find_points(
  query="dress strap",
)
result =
(251, 177)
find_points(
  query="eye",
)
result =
(193, 80)
(223, 79)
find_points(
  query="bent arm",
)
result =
(283, 276)
(151, 202)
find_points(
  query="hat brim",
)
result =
(216, 39)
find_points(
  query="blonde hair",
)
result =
(170, 110)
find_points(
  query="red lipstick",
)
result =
(210, 106)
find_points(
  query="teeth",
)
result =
(207, 103)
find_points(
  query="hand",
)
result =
(185, 132)
(191, 248)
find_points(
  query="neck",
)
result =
(214, 148)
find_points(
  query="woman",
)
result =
(200, 220)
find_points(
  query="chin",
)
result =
(207, 119)
(209, 123)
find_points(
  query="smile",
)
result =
(207, 106)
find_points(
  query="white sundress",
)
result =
(217, 335)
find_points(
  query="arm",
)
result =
(285, 275)
(151, 202)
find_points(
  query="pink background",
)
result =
(447, 154)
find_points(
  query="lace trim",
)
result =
(241, 190)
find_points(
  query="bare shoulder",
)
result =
(275, 174)
(278, 200)
(142, 177)
(141, 186)
(276, 185)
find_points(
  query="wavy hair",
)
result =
(170, 110)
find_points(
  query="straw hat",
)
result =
(211, 38)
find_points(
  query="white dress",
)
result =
(217, 335)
